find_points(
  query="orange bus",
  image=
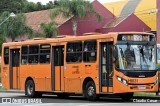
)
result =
(92, 65)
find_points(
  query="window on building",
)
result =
(90, 51)
(45, 53)
(24, 56)
(6, 55)
(74, 51)
(33, 54)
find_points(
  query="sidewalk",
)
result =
(11, 91)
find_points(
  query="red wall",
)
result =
(158, 22)
(88, 24)
(131, 23)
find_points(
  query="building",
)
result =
(88, 24)
(145, 10)
(115, 18)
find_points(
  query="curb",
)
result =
(11, 91)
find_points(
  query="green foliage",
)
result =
(76, 8)
(2, 89)
(158, 66)
(49, 30)
(1, 42)
(22, 6)
(14, 26)
(11, 5)
(145, 94)
(34, 35)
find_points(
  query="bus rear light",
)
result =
(122, 80)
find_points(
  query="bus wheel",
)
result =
(90, 91)
(30, 89)
(126, 96)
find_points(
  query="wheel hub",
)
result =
(91, 91)
(30, 89)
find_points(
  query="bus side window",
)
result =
(45, 53)
(24, 52)
(33, 54)
(90, 51)
(74, 52)
(6, 55)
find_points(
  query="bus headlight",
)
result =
(122, 80)
(156, 81)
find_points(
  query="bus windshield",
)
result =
(136, 57)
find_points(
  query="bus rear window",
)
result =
(6, 55)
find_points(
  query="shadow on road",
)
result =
(75, 99)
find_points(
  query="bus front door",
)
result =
(106, 67)
(57, 68)
(14, 68)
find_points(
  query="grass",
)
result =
(146, 94)
(1, 89)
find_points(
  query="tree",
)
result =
(49, 29)
(14, 26)
(22, 6)
(12, 5)
(50, 5)
(75, 8)
(1, 42)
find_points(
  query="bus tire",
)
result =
(126, 96)
(90, 91)
(30, 89)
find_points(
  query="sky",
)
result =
(46, 1)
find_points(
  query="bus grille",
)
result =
(140, 74)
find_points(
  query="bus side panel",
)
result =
(15, 83)
(94, 74)
(5, 76)
(57, 78)
(72, 75)
(62, 78)
(76, 74)
(5, 72)
(41, 75)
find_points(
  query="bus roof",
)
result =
(66, 38)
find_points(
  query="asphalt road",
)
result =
(54, 99)
(22, 100)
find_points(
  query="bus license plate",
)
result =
(141, 87)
